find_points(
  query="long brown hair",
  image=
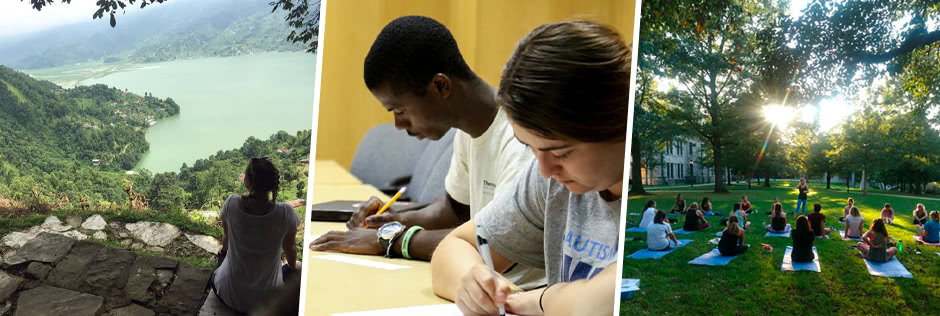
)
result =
(733, 225)
(802, 224)
(263, 177)
(778, 210)
(878, 226)
(569, 81)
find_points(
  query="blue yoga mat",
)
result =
(892, 269)
(628, 287)
(682, 232)
(842, 235)
(649, 254)
(712, 258)
(789, 265)
(636, 230)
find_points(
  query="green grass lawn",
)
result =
(753, 283)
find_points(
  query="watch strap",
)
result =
(387, 244)
(407, 239)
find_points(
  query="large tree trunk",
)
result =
(719, 169)
(864, 184)
(828, 180)
(636, 177)
(766, 178)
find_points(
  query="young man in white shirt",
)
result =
(416, 71)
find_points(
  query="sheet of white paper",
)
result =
(436, 310)
(362, 262)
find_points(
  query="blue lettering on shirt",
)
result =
(578, 246)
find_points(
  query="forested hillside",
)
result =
(186, 29)
(75, 148)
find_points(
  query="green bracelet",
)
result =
(404, 242)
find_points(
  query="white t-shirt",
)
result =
(484, 164)
(648, 216)
(252, 265)
(853, 222)
(656, 236)
(481, 166)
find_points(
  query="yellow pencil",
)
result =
(389, 203)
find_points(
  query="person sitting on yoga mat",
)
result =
(732, 239)
(920, 215)
(818, 221)
(803, 240)
(847, 210)
(694, 220)
(771, 212)
(255, 228)
(746, 205)
(706, 206)
(740, 214)
(931, 231)
(874, 244)
(778, 220)
(887, 214)
(854, 224)
(648, 214)
(679, 206)
(659, 235)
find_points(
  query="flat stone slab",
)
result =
(46, 247)
(100, 235)
(68, 272)
(8, 285)
(154, 234)
(53, 223)
(107, 274)
(144, 273)
(207, 243)
(77, 235)
(16, 240)
(38, 270)
(130, 310)
(74, 221)
(187, 292)
(94, 222)
(11, 258)
(52, 301)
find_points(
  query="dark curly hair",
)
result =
(409, 51)
(263, 177)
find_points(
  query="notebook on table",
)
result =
(342, 210)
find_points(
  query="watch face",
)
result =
(389, 230)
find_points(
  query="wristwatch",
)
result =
(387, 234)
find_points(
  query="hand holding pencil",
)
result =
(369, 216)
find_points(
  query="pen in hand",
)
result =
(488, 259)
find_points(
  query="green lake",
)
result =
(223, 101)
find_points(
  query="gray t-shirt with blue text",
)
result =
(541, 224)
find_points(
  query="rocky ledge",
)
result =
(54, 274)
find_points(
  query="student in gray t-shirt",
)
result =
(565, 90)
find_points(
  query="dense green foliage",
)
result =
(74, 147)
(728, 60)
(53, 138)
